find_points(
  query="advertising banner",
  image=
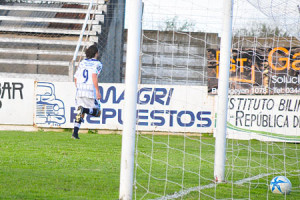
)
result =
(258, 71)
(159, 108)
(267, 118)
(16, 101)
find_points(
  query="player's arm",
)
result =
(75, 76)
(75, 81)
(95, 82)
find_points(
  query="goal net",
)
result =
(177, 100)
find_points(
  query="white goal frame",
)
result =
(131, 85)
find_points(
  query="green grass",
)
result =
(50, 165)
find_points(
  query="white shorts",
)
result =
(86, 102)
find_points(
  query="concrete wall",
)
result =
(174, 58)
(180, 58)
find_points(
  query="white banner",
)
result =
(159, 108)
(267, 118)
(16, 101)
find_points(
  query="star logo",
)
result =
(276, 184)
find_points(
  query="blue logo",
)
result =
(276, 184)
(49, 109)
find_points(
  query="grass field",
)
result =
(50, 165)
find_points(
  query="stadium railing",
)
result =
(38, 38)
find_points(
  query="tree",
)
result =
(173, 24)
(261, 30)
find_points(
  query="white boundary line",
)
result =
(193, 189)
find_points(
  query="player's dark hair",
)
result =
(91, 51)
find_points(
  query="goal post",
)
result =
(131, 81)
(187, 140)
(223, 85)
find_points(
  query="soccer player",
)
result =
(87, 90)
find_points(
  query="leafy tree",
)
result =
(173, 24)
(261, 30)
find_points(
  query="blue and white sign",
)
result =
(159, 108)
(50, 110)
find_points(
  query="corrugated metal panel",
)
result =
(69, 16)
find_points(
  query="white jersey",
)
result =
(85, 86)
